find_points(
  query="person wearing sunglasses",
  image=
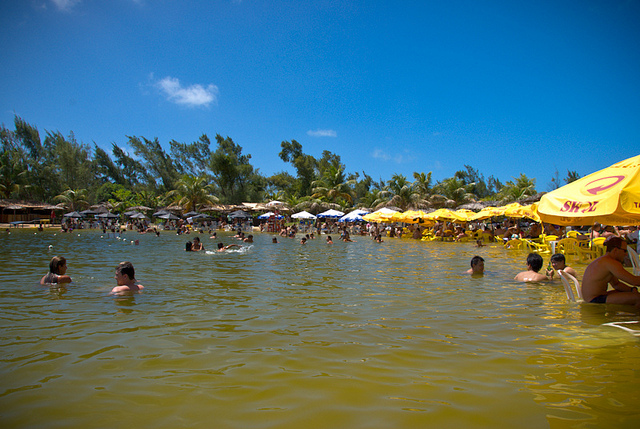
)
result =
(607, 270)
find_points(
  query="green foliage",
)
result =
(232, 173)
(193, 175)
(305, 165)
(521, 187)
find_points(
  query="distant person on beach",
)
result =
(249, 239)
(57, 270)
(126, 279)
(607, 270)
(534, 264)
(275, 240)
(303, 240)
(558, 262)
(188, 246)
(329, 240)
(378, 238)
(197, 245)
(477, 265)
(479, 243)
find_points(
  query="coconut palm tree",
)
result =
(518, 189)
(401, 193)
(333, 186)
(192, 193)
(451, 192)
(73, 199)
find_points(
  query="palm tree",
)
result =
(452, 192)
(73, 199)
(521, 188)
(333, 186)
(401, 193)
(192, 193)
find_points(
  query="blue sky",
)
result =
(507, 87)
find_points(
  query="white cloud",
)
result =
(65, 5)
(399, 158)
(322, 133)
(380, 154)
(194, 95)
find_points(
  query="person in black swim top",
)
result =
(607, 270)
(57, 270)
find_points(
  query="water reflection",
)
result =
(284, 335)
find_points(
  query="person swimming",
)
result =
(57, 270)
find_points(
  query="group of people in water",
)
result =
(125, 276)
(602, 272)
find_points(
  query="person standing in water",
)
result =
(126, 279)
(57, 270)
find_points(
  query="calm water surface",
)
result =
(353, 335)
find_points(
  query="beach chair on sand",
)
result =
(635, 261)
(571, 286)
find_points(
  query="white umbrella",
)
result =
(303, 215)
(331, 213)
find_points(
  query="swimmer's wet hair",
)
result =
(56, 263)
(535, 261)
(126, 267)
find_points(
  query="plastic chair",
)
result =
(633, 332)
(635, 261)
(536, 247)
(515, 243)
(570, 283)
(568, 247)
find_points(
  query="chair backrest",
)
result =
(570, 283)
(635, 261)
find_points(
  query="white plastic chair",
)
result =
(635, 261)
(624, 327)
(570, 283)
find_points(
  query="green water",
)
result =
(353, 335)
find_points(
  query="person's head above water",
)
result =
(477, 265)
(534, 261)
(56, 264)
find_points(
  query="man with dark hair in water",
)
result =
(534, 263)
(126, 279)
(477, 265)
(608, 270)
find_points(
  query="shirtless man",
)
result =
(608, 270)
(477, 265)
(126, 279)
(534, 263)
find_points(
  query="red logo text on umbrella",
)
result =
(600, 185)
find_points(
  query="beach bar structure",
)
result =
(21, 212)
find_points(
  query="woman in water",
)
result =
(57, 270)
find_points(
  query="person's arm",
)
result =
(619, 273)
(64, 279)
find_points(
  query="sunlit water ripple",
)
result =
(358, 335)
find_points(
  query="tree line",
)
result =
(60, 169)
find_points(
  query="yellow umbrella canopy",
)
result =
(446, 215)
(610, 196)
(486, 213)
(515, 210)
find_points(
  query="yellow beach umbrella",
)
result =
(485, 213)
(445, 215)
(610, 196)
(515, 210)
